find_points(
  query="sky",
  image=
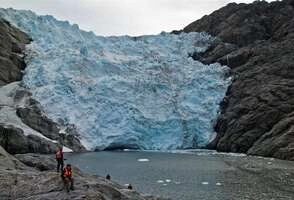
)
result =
(123, 17)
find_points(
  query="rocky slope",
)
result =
(18, 181)
(23, 126)
(257, 43)
(12, 44)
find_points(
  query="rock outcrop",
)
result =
(24, 127)
(12, 44)
(257, 43)
(33, 177)
(15, 141)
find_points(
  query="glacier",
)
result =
(122, 92)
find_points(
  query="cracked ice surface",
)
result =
(123, 92)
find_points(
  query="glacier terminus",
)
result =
(120, 92)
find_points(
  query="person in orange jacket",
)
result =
(67, 177)
(59, 159)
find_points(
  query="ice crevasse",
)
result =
(122, 92)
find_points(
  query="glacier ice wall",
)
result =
(122, 92)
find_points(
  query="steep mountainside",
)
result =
(12, 43)
(23, 126)
(257, 43)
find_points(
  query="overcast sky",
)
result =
(123, 17)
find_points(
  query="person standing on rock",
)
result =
(59, 159)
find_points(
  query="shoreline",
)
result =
(190, 175)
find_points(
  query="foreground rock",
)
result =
(19, 181)
(257, 42)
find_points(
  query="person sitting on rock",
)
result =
(67, 178)
(130, 187)
(108, 177)
(59, 159)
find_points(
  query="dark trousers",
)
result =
(69, 181)
(59, 165)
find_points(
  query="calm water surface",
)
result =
(191, 176)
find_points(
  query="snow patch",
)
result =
(66, 149)
(8, 117)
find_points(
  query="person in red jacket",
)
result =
(67, 177)
(59, 159)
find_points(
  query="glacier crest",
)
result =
(123, 92)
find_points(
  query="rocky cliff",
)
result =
(257, 42)
(24, 127)
(12, 44)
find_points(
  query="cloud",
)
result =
(119, 17)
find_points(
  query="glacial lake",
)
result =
(193, 175)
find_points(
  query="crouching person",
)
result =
(67, 178)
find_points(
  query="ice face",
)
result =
(122, 92)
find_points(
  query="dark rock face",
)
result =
(33, 116)
(14, 141)
(243, 24)
(257, 43)
(35, 119)
(12, 43)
